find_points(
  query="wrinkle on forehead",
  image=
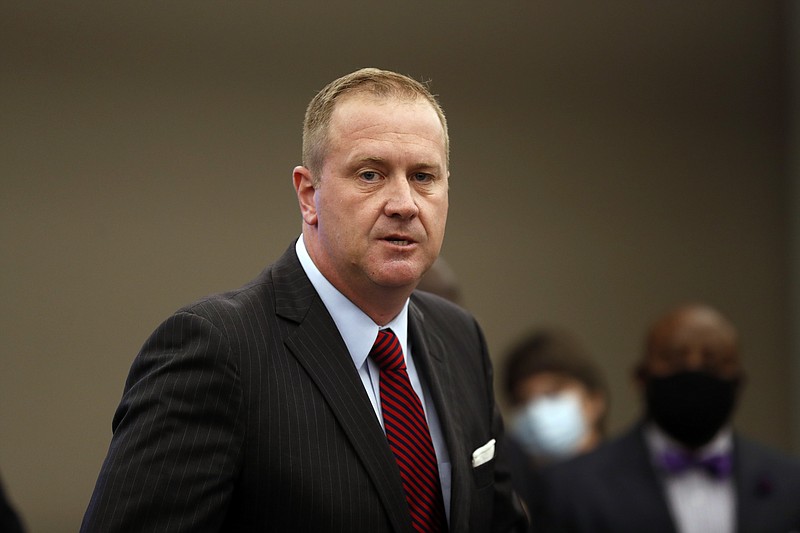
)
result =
(360, 119)
(379, 133)
(417, 133)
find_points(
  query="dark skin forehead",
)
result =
(693, 337)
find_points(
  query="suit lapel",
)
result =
(319, 348)
(429, 356)
(635, 475)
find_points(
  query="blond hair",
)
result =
(370, 81)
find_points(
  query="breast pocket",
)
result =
(483, 474)
(483, 464)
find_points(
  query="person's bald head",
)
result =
(692, 337)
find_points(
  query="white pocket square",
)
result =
(483, 454)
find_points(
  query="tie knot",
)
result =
(387, 352)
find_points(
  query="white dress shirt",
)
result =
(359, 333)
(699, 502)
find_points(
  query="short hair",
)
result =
(370, 81)
(551, 350)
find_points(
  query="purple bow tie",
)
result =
(719, 465)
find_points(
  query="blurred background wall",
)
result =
(608, 161)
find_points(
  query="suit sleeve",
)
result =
(177, 435)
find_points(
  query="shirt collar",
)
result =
(357, 329)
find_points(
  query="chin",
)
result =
(393, 279)
(398, 272)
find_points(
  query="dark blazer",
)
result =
(615, 488)
(244, 412)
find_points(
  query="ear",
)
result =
(305, 190)
(639, 376)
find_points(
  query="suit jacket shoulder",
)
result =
(243, 411)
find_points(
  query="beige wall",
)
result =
(792, 22)
(609, 160)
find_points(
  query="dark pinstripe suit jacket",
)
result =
(244, 412)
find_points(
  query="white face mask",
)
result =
(550, 427)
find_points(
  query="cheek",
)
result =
(436, 216)
(330, 223)
(590, 410)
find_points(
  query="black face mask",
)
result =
(690, 407)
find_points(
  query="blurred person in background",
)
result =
(558, 401)
(441, 280)
(681, 468)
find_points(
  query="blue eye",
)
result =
(369, 175)
(423, 177)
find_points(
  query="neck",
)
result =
(590, 441)
(381, 305)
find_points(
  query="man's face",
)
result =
(695, 339)
(691, 375)
(377, 217)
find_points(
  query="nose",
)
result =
(400, 199)
(695, 359)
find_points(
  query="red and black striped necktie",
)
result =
(408, 435)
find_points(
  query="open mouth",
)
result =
(399, 238)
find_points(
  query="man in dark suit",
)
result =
(682, 469)
(265, 408)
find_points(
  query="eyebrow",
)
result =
(381, 160)
(371, 159)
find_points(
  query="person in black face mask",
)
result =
(691, 375)
(682, 468)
